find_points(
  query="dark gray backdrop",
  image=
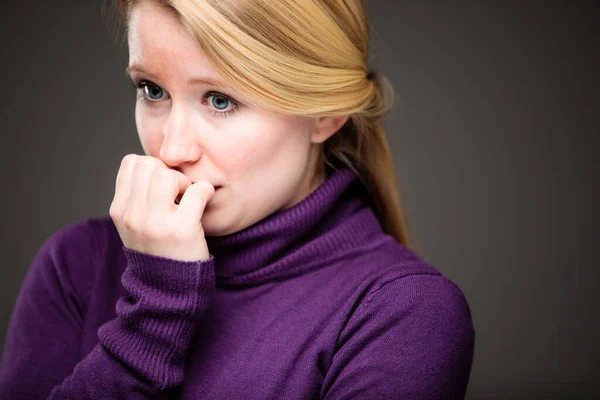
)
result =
(495, 138)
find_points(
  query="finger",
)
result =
(122, 185)
(183, 183)
(140, 182)
(166, 184)
(161, 191)
(194, 201)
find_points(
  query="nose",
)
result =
(179, 144)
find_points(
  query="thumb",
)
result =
(194, 201)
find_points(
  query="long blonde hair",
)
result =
(306, 58)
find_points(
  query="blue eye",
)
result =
(220, 102)
(152, 91)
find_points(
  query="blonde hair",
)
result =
(305, 58)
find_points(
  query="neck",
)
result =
(330, 219)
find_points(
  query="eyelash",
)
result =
(139, 85)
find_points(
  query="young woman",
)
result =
(258, 249)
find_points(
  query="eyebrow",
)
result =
(191, 81)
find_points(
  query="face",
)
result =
(261, 161)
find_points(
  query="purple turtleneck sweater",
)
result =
(312, 302)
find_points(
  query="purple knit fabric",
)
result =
(313, 302)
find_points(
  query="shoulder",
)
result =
(83, 239)
(74, 254)
(423, 298)
(412, 326)
(398, 281)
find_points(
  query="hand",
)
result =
(145, 213)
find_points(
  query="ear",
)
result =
(325, 127)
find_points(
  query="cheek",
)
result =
(253, 151)
(261, 141)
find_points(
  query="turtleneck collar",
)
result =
(334, 218)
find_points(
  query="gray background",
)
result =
(495, 137)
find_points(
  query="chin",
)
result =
(213, 226)
(210, 225)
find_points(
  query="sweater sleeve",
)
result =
(413, 338)
(140, 354)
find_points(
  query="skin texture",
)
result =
(263, 162)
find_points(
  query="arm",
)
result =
(141, 352)
(411, 339)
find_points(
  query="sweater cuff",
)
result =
(156, 322)
(169, 275)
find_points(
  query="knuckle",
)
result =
(127, 222)
(114, 212)
(141, 162)
(130, 219)
(145, 162)
(128, 159)
(162, 174)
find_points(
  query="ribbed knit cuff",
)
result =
(156, 322)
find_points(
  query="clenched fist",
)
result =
(146, 215)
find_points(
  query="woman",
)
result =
(258, 249)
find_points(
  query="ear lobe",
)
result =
(325, 127)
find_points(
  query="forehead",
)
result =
(157, 38)
(152, 28)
